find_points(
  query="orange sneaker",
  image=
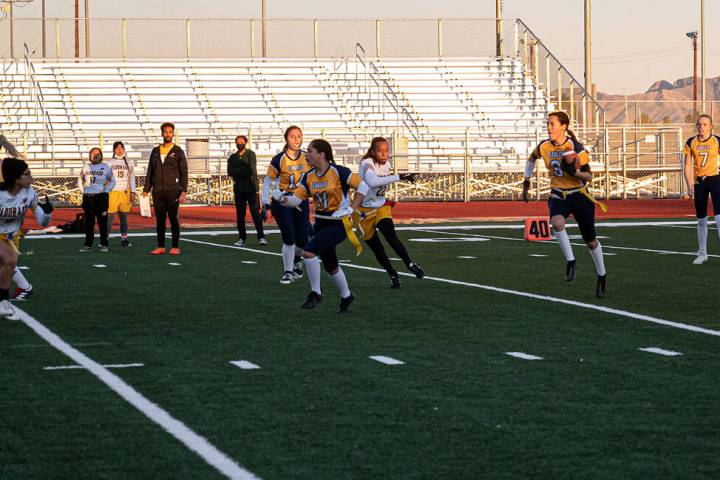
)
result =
(158, 251)
(174, 251)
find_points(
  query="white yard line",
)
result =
(80, 367)
(199, 445)
(660, 351)
(245, 365)
(386, 360)
(546, 298)
(524, 356)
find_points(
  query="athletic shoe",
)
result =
(240, 243)
(85, 249)
(174, 251)
(313, 299)
(298, 270)
(570, 271)
(21, 295)
(701, 258)
(125, 243)
(103, 248)
(287, 278)
(345, 303)
(158, 251)
(262, 241)
(415, 268)
(7, 310)
(600, 287)
(395, 281)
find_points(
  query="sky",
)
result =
(635, 42)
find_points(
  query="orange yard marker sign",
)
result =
(536, 229)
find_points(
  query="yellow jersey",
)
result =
(552, 154)
(705, 155)
(290, 170)
(328, 190)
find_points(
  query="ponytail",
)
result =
(570, 134)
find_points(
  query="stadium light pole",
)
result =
(702, 55)
(693, 36)
(44, 38)
(498, 27)
(264, 25)
(588, 64)
(77, 29)
(87, 30)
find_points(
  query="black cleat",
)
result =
(125, 243)
(395, 281)
(570, 271)
(313, 299)
(601, 286)
(345, 303)
(298, 270)
(415, 268)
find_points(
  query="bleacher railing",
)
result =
(38, 101)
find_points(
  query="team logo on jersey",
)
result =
(556, 154)
(319, 185)
(296, 167)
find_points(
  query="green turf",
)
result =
(319, 408)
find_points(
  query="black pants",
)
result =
(707, 187)
(167, 205)
(250, 199)
(95, 208)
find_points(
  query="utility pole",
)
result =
(702, 55)
(588, 63)
(498, 27)
(87, 30)
(43, 29)
(694, 36)
(264, 28)
(77, 29)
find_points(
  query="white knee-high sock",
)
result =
(717, 223)
(341, 283)
(20, 280)
(312, 265)
(564, 242)
(597, 257)
(288, 254)
(702, 233)
(298, 251)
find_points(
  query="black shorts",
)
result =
(706, 187)
(581, 208)
(328, 235)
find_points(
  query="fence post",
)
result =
(559, 89)
(537, 169)
(624, 161)
(516, 40)
(547, 75)
(377, 38)
(606, 148)
(466, 167)
(572, 102)
(315, 39)
(124, 38)
(537, 63)
(439, 38)
(525, 50)
(187, 39)
(681, 159)
(252, 38)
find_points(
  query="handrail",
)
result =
(40, 99)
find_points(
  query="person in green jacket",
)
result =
(242, 168)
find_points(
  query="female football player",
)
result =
(376, 173)
(286, 168)
(16, 198)
(328, 184)
(702, 168)
(568, 163)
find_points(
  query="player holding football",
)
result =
(329, 185)
(702, 175)
(286, 168)
(16, 198)
(568, 163)
(376, 173)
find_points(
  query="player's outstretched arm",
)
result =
(529, 171)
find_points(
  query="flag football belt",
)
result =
(13, 241)
(563, 194)
(348, 225)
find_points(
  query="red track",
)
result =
(199, 217)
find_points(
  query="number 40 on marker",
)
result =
(537, 229)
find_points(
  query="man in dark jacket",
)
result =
(167, 177)
(242, 168)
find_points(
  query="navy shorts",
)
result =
(581, 208)
(294, 225)
(707, 187)
(328, 235)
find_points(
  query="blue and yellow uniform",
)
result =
(330, 192)
(568, 194)
(294, 225)
(706, 163)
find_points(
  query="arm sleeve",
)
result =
(183, 172)
(267, 183)
(109, 181)
(373, 180)
(133, 187)
(529, 167)
(362, 188)
(42, 217)
(81, 180)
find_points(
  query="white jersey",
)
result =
(377, 177)
(14, 207)
(124, 174)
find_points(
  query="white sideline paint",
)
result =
(537, 255)
(463, 238)
(249, 262)
(660, 351)
(174, 264)
(524, 356)
(386, 360)
(208, 452)
(117, 365)
(535, 296)
(244, 364)
(468, 257)
(100, 265)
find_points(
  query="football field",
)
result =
(202, 366)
